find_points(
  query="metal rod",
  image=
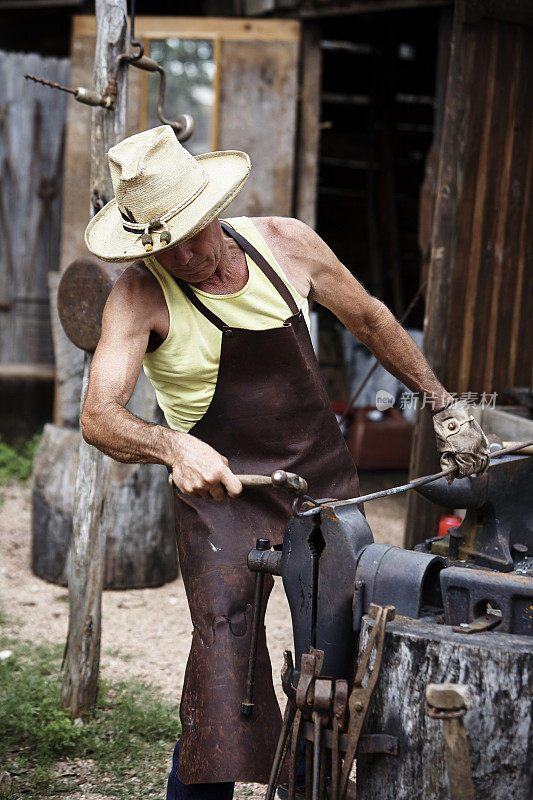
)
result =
(365, 498)
(247, 706)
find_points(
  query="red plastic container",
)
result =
(448, 521)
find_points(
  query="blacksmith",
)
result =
(217, 313)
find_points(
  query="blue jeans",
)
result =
(176, 790)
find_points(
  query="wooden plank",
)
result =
(478, 181)
(479, 327)
(229, 28)
(422, 516)
(258, 93)
(508, 222)
(32, 121)
(309, 126)
(27, 372)
(217, 48)
(523, 375)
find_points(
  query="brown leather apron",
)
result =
(270, 410)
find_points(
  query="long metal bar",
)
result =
(365, 498)
(247, 705)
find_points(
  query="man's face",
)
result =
(196, 259)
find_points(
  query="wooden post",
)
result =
(422, 516)
(82, 657)
(309, 125)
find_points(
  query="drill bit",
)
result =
(51, 84)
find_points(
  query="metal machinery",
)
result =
(477, 577)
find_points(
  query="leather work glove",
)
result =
(460, 441)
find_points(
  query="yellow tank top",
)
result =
(184, 368)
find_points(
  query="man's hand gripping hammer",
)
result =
(279, 479)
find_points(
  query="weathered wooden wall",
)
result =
(258, 92)
(490, 340)
(478, 333)
(32, 121)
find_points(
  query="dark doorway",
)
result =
(378, 107)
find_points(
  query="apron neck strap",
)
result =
(263, 265)
(197, 303)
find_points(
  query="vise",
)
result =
(479, 576)
(332, 570)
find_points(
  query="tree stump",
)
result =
(140, 548)
(498, 667)
(54, 478)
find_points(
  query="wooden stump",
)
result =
(54, 478)
(140, 546)
(499, 667)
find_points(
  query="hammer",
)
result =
(279, 479)
(449, 702)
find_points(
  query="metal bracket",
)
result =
(484, 623)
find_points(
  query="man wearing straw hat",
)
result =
(216, 312)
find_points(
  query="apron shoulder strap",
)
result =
(197, 303)
(263, 265)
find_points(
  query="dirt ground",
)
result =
(145, 633)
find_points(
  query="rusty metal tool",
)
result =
(449, 702)
(360, 695)
(288, 719)
(322, 702)
(311, 667)
(183, 126)
(485, 622)
(83, 95)
(247, 705)
(340, 701)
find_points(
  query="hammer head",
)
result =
(289, 481)
(449, 696)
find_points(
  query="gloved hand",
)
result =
(460, 441)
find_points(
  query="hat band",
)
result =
(131, 226)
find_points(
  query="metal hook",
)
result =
(133, 43)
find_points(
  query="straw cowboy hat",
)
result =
(163, 195)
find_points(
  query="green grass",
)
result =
(129, 737)
(16, 460)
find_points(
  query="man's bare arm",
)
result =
(109, 426)
(334, 287)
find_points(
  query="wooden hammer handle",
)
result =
(255, 480)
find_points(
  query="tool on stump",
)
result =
(449, 702)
